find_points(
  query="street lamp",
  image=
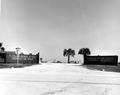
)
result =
(17, 49)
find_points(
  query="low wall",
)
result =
(10, 57)
(101, 60)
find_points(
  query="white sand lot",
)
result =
(58, 79)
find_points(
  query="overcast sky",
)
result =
(50, 26)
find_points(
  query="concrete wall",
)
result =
(11, 57)
(101, 60)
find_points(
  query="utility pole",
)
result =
(17, 49)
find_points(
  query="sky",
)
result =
(50, 26)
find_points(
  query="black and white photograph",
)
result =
(59, 47)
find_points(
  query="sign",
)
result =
(101, 60)
(23, 58)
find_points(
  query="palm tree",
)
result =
(84, 51)
(2, 49)
(69, 53)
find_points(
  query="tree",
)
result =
(2, 49)
(84, 51)
(69, 52)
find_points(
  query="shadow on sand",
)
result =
(11, 65)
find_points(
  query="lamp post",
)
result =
(17, 49)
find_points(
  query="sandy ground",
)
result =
(58, 79)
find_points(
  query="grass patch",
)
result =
(107, 68)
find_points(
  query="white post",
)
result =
(17, 49)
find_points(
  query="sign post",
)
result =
(17, 49)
